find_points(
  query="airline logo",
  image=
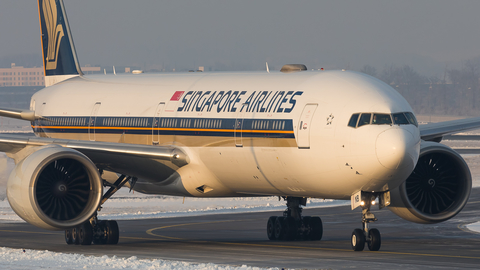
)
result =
(55, 33)
(233, 101)
(177, 96)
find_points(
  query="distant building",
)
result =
(20, 76)
(87, 69)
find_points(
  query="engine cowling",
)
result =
(437, 189)
(55, 188)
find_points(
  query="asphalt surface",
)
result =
(240, 239)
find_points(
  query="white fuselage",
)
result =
(287, 134)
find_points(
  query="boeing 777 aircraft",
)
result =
(294, 133)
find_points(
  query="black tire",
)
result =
(68, 237)
(100, 237)
(306, 224)
(271, 228)
(279, 228)
(290, 226)
(85, 233)
(316, 229)
(375, 240)
(113, 232)
(358, 240)
(75, 236)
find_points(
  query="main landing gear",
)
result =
(369, 236)
(292, 225)
(99, 232)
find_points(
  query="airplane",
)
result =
(292, 133)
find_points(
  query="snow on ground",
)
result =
(37, 259)
(9, 125)
(474, 227)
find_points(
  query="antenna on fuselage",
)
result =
(266, 64)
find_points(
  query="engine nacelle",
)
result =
(55, 188)
(437, 189)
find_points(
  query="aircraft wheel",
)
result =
(85, 233)
(75, 236)
(100, 233)
(68, 237)
(279, 228)
(271, 228)
(306, 224)
(358, 240)
(290, 226)
(375, 240)
(112, 232)
(316, 229)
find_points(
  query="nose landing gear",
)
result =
(292, 225)
(369, 236)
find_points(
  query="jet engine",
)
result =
(437, 189)
(55, 188)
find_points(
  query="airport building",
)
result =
(21, 76)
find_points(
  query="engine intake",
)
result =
(437, 189)
(55, 188)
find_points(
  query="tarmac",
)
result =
(240, 239)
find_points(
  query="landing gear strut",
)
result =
(369, 236)
(292, 225)
(99, 232)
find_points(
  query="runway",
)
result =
(240, 239)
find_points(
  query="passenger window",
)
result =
(381, 119)
(400, 119)
(353, 120)
(411, 118)
(364, 119)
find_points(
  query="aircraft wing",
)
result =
(18, 114)
(141, 161)
(431, 132)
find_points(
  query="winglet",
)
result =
(59, 57)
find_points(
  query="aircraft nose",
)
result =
(395, 148)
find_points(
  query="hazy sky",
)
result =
(427, 35)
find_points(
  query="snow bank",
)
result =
(35, 259)
(474, 226)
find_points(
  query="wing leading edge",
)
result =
(435, 131)
(152, 163)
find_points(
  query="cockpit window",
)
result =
(411, 118)
(381, 119)
(353, 120)
(400, 119)
(403, 118)
(364, 119)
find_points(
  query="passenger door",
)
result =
(239, 129)
(156, 123)
(92, 121)
(304, 126)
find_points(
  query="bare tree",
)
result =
(367, 69)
